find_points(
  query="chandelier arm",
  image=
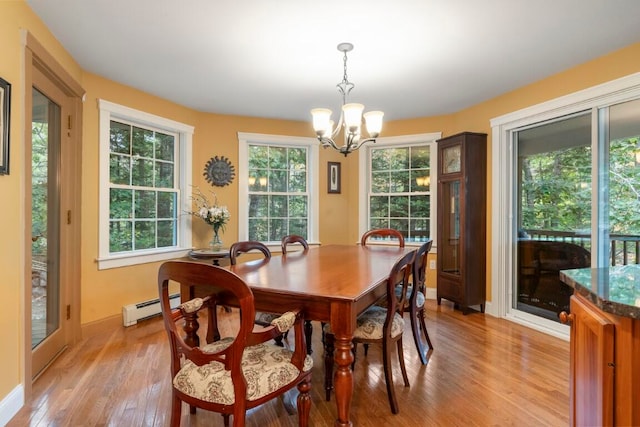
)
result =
(328, 142)
(338, 126)
(364, 141)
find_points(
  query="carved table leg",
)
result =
(343, 379)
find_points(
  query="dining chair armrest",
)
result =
(296, 318)
(191, 306)
(286, 321)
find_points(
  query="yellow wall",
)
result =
(11, 254)
(104, 292)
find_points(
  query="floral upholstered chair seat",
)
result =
(266, 368)
(370, 324)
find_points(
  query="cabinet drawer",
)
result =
(449, 289)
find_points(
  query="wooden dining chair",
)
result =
(292, 239)
(242, 247)
(239, 248)
(235, 373)
(382, 234)
(416, 302)
(380, 325)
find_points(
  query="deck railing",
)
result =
(625, 248)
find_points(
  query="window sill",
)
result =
(125, 260)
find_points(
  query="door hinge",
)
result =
(69, 122)
(68, 217)
(68, 311)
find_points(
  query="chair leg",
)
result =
(388, 375)
(328, 364)
(176, 406)
(304, 403)
(308, 334)
(403, 368)
(422, 315)
(278, 340)
(415, 329)
(354, 351)
(225, 418)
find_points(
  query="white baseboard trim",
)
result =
(432, 293)
(10, 405)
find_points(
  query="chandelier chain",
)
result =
(345, 86)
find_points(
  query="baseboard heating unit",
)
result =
(133, 313)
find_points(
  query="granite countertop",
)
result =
(614, 290)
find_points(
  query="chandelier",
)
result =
(350, 117)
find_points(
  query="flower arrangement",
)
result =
(211, 213)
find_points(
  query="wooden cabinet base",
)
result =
(605, 367)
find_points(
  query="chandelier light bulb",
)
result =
(373, 119)
(321, 120)
(352, 116)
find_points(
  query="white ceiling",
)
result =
(278, 58)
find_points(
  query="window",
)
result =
(280, 187)
(398, 190)
(145, 164)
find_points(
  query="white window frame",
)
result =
(364, 159)
(502, 164)
(110, 111)
(313, 168)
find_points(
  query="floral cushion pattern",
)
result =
(266, 368)
(370, 324)
(191, 305)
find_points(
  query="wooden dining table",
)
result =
(334, 284)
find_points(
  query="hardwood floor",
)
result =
(484, 371)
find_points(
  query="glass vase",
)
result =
(216, 242)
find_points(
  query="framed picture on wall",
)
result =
(5, 105)
(333, 177)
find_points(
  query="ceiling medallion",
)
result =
(219, 171)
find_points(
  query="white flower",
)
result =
(212, 214)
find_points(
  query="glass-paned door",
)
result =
(553, 205)
(46, 302)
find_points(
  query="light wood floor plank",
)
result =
(483, 372)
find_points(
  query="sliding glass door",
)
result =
(568, 177)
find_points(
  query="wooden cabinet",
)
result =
(605, 366)
(462, 175)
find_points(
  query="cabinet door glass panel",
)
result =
(450, 253)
